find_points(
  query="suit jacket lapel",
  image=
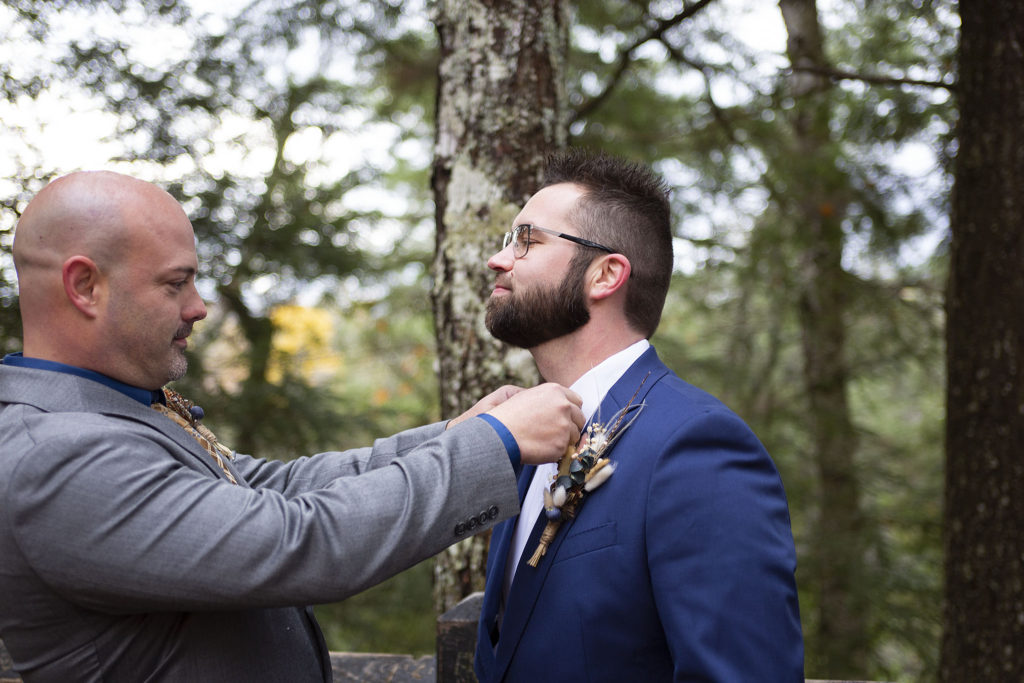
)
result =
(522, 597)
(177, 433)
(497, 561)
(168, 427)
(504, 532)
(638, 379)
(526, 586)
(58, 392)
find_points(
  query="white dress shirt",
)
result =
(592, 387)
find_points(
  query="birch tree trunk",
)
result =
(841, 617)
(983, 623)
(501, 108)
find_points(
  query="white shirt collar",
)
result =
(596, 382)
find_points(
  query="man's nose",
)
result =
(196, 309)
(502, 260)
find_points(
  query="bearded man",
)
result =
(681, 564)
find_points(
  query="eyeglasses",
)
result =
(520, 239)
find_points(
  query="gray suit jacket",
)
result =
(125, 555)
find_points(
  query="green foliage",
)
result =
(394, 617)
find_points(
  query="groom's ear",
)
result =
(607, 275)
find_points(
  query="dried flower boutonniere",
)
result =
(580, 471)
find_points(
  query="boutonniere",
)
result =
(582, 470)
(187, 415)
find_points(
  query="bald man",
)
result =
(135, 547)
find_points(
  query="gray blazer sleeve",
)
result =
(111, 519)
(305, 473)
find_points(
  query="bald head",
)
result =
(90, 213)
(96, 252)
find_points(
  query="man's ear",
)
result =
(608, 275)
(82, 282)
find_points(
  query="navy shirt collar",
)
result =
(143, 396)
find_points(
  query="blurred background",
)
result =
(811, 254)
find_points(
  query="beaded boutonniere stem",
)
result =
(580, 471)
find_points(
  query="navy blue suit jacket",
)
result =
(680, 567)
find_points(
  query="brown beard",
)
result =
(536, 316)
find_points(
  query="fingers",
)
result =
(574, 405)
(502, 394)
(496, 397)
(543, 420)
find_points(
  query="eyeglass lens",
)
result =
(519, 238)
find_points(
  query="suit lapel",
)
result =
(57, 392)
(503, 534)
(174, 431)
(497, 554)
(529, 581)
(525, 477)
(168, 427)
(522, 597)
(638, 379)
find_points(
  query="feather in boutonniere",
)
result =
(580, 471)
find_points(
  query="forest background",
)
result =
(812, 242)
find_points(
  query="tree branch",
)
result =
(626, 57)
(840, 75)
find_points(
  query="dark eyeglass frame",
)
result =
(511, 237)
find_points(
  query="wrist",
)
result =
(511, 445)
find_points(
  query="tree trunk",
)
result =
(841, 634)
(501, 108)
(983, 638)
